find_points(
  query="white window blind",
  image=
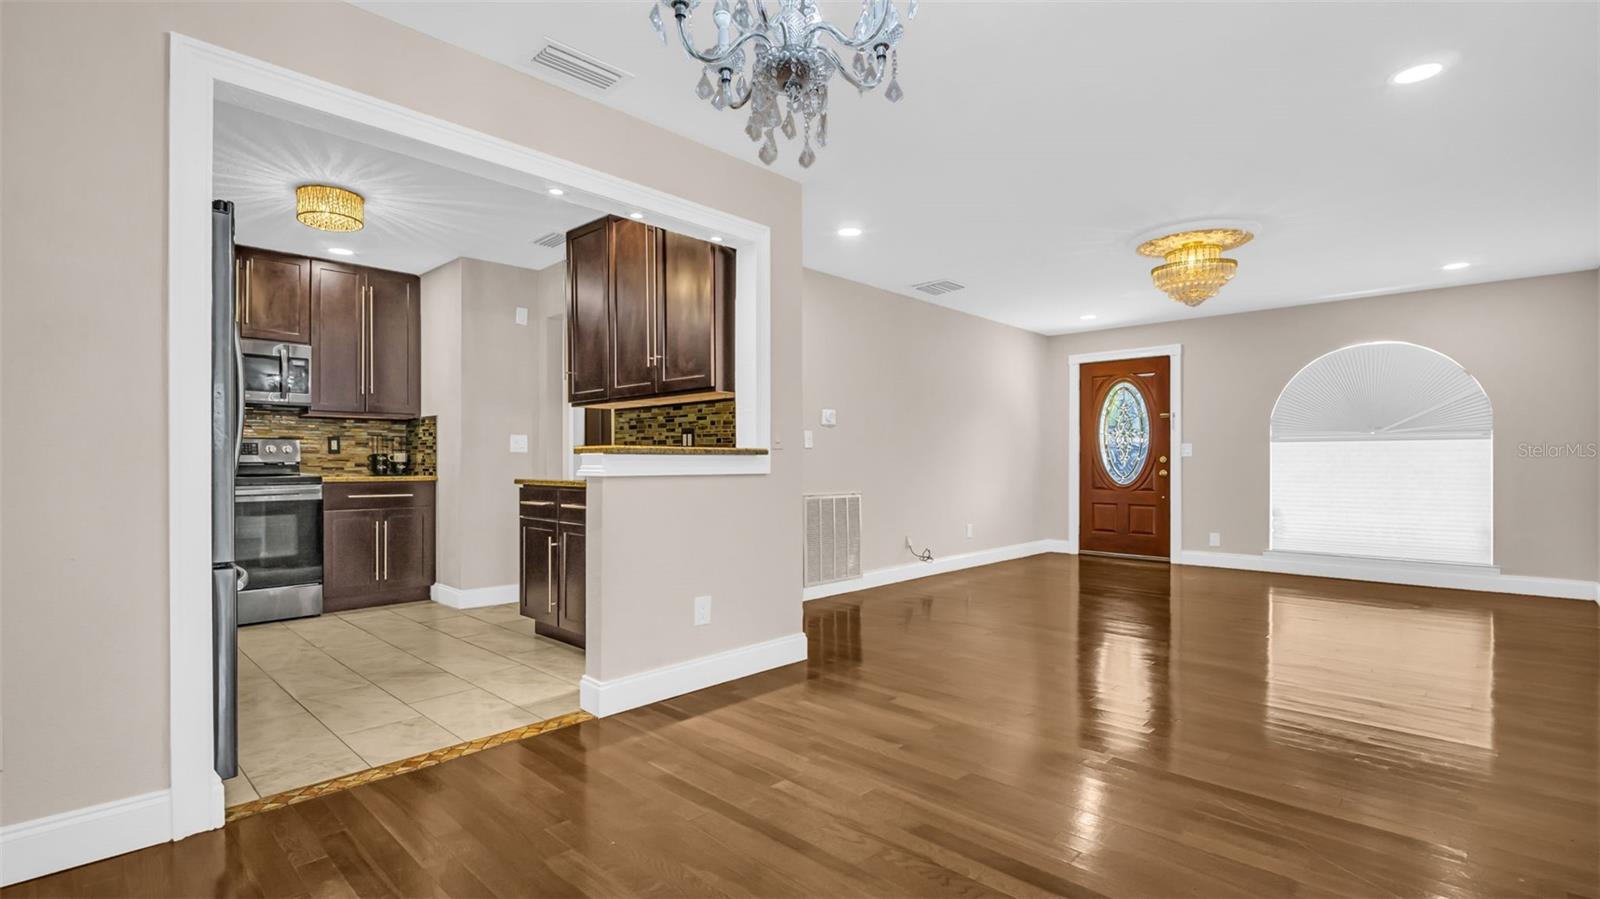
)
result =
(1384, 450)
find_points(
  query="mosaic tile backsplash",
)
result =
(419, 437)
(712, 423)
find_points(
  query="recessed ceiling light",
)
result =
(1088, 317)
(716, 238)
(555, 191)
(341, 251)
(1416, 73)
(850, 231)
(1454, 266)
(636, 215)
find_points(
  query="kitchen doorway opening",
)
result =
(204, 79)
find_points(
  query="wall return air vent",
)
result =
(939, 288)
(579, 66)
(833, 538)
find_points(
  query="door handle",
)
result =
(375, 549)
(380, 495)
(1162, 460)
(386, 549)
(283, 372)
(372, 347)
(1162, 472)
(550, 572)
(563, 559)
(249, 270)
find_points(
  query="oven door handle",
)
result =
(294, 496)
(244, 577)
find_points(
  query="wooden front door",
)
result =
(1125, 457)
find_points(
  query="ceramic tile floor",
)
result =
(347, 691)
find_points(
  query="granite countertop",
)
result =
(672, 450)
(375, 478)
(550, 482)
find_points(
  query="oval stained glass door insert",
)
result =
(1124, 432)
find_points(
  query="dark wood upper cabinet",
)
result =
(274, 296)
(366, 342)
(650, 315)
(686, 315)
(633, 287)
(589, 313)
(338, 339)
(394, 343)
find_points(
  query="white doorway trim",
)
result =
(196, 72)
(1074, 363)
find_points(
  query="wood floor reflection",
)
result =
(1050, 726)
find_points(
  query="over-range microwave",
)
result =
(276, 374)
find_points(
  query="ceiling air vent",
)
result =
(938, 288)
(580, 66)
(554, 240)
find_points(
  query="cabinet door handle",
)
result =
(563, 564)
(361, 342)
(386, 549)
(550, 572)
(538, 502)
(375, 549)
(576, 506)
(380, 495)
(372, 344)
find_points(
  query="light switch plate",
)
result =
(810, 441)
(1186, 450)
(1216, 539)
(519, 443)
(702, 610)
(522, 315)
(830, 417)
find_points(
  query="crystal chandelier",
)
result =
(1195, 268)
(787, 85)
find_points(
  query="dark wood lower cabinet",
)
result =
(553, 561)
(377, 543)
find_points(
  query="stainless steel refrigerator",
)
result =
(227, 428)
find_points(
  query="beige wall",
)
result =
(441, 398)
(84, 98)
(1531, 343)
(939, 420)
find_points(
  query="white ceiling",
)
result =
(1037, 140)
(419, 214)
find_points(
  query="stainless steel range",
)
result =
(277, 532)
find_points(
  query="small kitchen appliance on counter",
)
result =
(277, 532)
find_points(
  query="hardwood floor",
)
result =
(1050, 726)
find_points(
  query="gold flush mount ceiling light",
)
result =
(329, 208)
(1195, 268)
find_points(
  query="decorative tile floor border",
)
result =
(414, 763)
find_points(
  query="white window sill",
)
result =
(1376, 563)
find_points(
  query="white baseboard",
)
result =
(1490, 580)
(476, 598)
(602, 698)
(57, 842)
(894, 574)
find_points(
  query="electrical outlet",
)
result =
(1216, 539)
(522, 315)
(702, 611)
(519, 443)
(809, 441)
(830, 417)
(969, 531)
(333, 445)
(1186, 450)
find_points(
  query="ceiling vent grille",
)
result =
(555, 240)
(939, 288)
(579, 66)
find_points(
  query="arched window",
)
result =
(1384, 450)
